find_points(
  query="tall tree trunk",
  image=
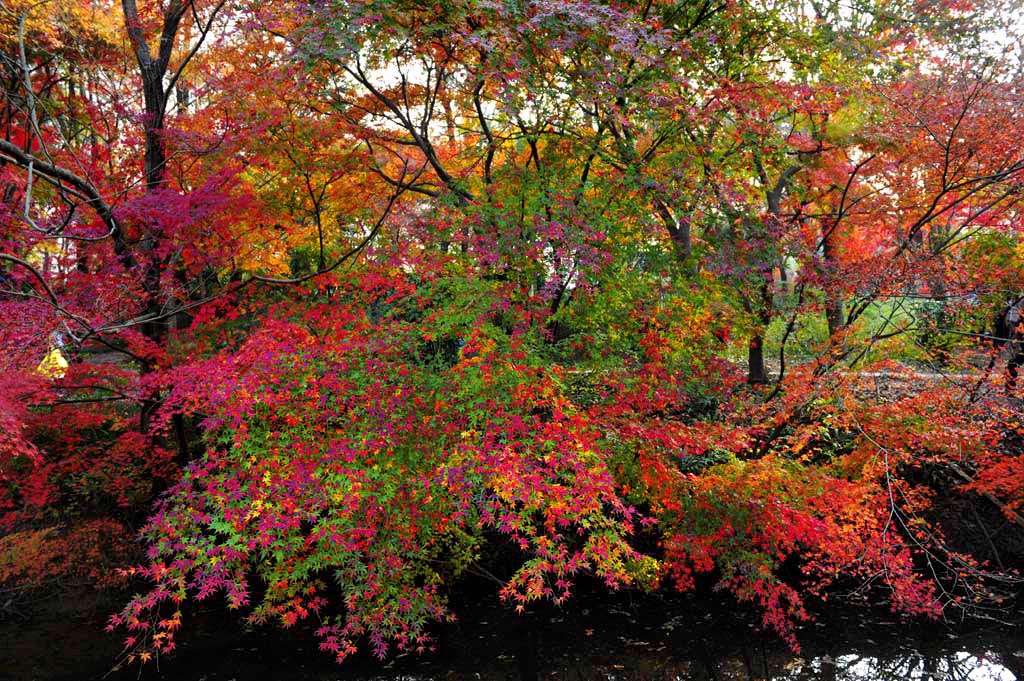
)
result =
(763, 305)
(152, 70)
(833, 299)
(757, 373)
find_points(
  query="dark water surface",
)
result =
(621, 638)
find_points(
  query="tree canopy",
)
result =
(340, 303)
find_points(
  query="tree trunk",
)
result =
(152, 70)
(833, 299)
(756, 374)
(834, 313)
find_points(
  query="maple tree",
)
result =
(353, 295)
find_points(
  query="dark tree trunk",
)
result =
(834, 314)
(833, 299)
(152, 70)
(756, 374)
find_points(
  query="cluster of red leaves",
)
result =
(345, 445)
(86, 553)
(360, 452)
(758, 516)
(102, 463)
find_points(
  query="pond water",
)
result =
(623, 638)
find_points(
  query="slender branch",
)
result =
(24, 159)
(51, 297)
(356, 250)
(406, 122)
(203, 32)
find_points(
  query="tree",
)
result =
(420, 293)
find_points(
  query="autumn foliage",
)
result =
(341, 304)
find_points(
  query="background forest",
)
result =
(338, 303)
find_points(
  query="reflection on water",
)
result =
(623, 640)
(913, 666)
(956, 666)
(848, 650)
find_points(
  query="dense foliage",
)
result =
(342, 303)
